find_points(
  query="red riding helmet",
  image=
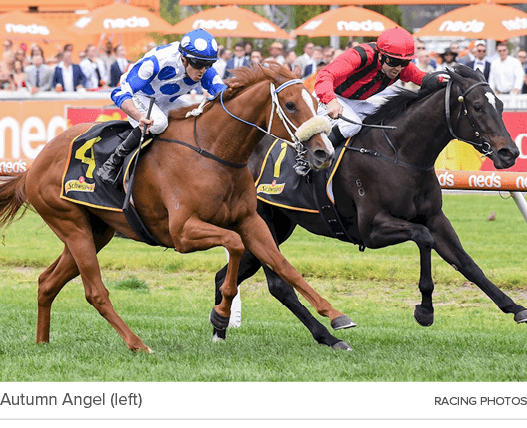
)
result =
(397, 43)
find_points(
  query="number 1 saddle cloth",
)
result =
(88, 152)
(278, 183)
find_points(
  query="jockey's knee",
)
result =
(160, 124)
(349, 129)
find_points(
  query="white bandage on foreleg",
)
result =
(315, 125)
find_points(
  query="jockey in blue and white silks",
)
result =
(164, 74)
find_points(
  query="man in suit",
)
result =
(68, 76)
(238, 60)
(39, 76)
(119, 66)
(479, 62)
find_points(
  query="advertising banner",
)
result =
(26, 126)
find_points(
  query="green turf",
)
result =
(166, 297)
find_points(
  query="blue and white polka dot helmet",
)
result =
(199, 44)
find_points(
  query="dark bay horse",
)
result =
(386, 190)
(188, 201)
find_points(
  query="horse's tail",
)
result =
(12, 198)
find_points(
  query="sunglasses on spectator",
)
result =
(199, 64)
(396, 62)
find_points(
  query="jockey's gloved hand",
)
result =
(434, 81)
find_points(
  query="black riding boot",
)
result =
(336, 137)
(110, 169)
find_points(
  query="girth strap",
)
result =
(328, 211)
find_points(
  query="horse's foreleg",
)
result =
(424, 313)
(196, 235)
(449, 247)
(388, 230)
(259, 241)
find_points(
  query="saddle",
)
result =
(82, 186)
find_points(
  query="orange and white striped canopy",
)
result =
(119, 18)
(30, 27)
(479, 21)
(346, 21)
(231, 21)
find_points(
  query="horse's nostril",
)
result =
(322, 156)
(506, 154)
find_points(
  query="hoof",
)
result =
(342, 345)
(424, 318)
(219, 322)
(146, 350)
(342, 322)
(217, 338)
(218, 335)
(521, 316)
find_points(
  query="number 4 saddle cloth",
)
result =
(88, 152)
(278, 183)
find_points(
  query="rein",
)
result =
(204, 152)
(484, 147)
(297, 145)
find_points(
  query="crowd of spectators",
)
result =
(24, 68)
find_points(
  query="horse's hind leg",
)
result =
(286, 295)
(258, 239)
(55, 277)
(73, 227)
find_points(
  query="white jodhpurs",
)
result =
(354, 110)
(160, 118)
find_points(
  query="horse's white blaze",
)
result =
(492, 98)
(309, 101)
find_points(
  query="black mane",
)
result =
(394, 107)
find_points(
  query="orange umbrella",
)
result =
(326, 2)
(480, 21)
(29, 27)
(231, 21)
(119, 18)
(346, 21)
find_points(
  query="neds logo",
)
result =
(485, 181)
(367, 25)
(212, 24)
(446, 179)
(472, 26)
(27, 29)
(132, 22)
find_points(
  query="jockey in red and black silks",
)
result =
(344, 86)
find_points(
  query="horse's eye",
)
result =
(290, 106)
(477, 107)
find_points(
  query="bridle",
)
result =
(482, 146)
(289, 126)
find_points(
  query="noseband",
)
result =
(482, 146)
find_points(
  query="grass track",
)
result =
(166, 297)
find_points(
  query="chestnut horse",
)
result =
(188, 201)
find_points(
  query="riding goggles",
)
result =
(396, 62)
(199, 64)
